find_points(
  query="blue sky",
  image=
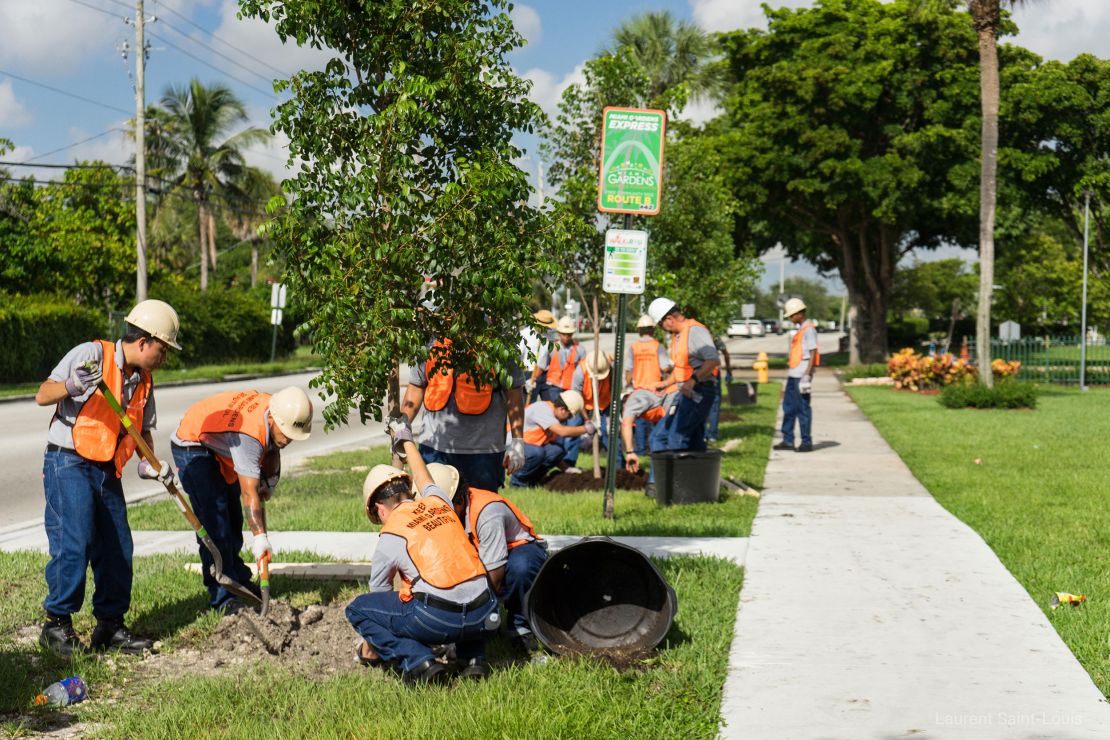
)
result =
(73, 45)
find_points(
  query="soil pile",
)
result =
(585, 481)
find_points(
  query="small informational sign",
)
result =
(275, 316)
(631, 177)
(748, 310)
(1009, 331)
(625, 261)
(277, 295)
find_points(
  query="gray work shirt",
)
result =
(809, 345)
(243, 450)
(497, 526)
(700, 347)
(544, 360)
(65, 415)
(447, 430)
(540, 415)
(391, 558)
(639, 402)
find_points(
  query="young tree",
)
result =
(408, 219)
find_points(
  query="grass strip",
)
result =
(1031, 483)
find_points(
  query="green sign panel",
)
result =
(631, 179)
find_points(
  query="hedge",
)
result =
(38, 330)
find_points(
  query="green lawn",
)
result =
(326, 494)
(1038, 497)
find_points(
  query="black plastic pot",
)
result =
(600, 595)
(741, 393)
(687, 477)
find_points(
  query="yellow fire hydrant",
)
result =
(760, 367)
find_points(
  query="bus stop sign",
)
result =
(631, 177)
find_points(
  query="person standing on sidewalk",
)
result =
(803, 361)
(86, 451)
(220, 448)
(464, 424)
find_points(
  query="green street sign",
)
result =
(631, 178)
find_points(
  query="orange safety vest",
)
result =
(231, 411)
(646, 371)
(680, 355)
(559, 375)
(96, 430)
(471, 399)
(435, 540)
(653, 414)
(479, 500)
(796, 348)
(538, 436)
(604, 389)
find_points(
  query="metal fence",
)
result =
(1053, 359)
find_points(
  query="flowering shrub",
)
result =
(915, 372)
(1004, 369)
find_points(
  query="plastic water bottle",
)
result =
(63, 693)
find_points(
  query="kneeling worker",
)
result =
(544, 426)
(219, 449)
(445, 595)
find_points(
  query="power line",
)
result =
(65, 92)
(221, 40)
(70, 146)
(93, 7)
(217, 52)
(225, 73)
(67, 166)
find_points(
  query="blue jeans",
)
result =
(485, 470)
(795, 406)
(550, 392)
(683, 428)
(711, 430)
(524, 563)
(641, 433)
(218, 506)
(537, 461)
(86, 523)
(571, 444)
(404, 631)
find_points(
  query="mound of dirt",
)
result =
(585, 481)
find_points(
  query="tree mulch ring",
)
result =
(726, 415)
(585, 481)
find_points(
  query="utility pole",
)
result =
(140, 154)
(1083, 321)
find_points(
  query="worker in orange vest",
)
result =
(595, 365)
(695, 361)
(445, 594)
(507, 544)
(545, 424)
(646, 362)
(557, 367)
(533, 340)
(801, 364)
(223, 446)
(641, 406)
(86, 451)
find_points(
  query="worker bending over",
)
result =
(594, 366)
(545, 425)
(645, 362)
(642, 406)
(86, 451)
(221, 447)
(445, 594)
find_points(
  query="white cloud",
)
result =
(547, 90)
(12, 112)
(728, 15)
(1063, 29)
(260, 40)
(698, 112)
(527, 22)
(52, 36)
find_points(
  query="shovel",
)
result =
(217, 569)
(264, 582)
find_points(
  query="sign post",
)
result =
(277, 302)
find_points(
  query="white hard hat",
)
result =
(600, 370)
(793, 306)
(291, 410)
(645, 322)
(573, 401)
(565, 325)
(378, 476)
(158, 319)
(444, 476)
(659, 308)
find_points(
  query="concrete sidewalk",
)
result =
(868, 611)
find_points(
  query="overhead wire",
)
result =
(66, 93)
(70, 146)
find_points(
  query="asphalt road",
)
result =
(23, 440)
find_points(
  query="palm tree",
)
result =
(672, 52)
(203, 160)
(246, 199)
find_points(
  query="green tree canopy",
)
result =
(931, 288)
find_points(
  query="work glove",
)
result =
(591, 428)
(261, 546)
(728, 378)
(83, 378)
(573, 471)
(805, 387)
(399, 432)
(529, 386)
(164, 474)
(514, 455)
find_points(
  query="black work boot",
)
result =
(111, 634)
(58, 636)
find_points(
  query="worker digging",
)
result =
(546, 425)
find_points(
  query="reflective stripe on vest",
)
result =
(646, 372)
(559, 375)
(796, 347)
(435, 540)
(96, 430)
(479, 500)
(470, 398)
(604, 389)
(243, 412)
(539, 436)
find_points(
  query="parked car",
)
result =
(745, 328)
(771, 326)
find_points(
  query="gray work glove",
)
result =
(514, 455)
(164, 474)
(399, 432)
(591, 429)
(83, 378)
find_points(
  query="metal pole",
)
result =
(273, 345)
(617, 386)
(140, 154)
(1083, 320)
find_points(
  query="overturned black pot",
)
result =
(600, 595)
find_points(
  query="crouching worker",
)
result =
(641, 407)
(220, 448)
(86, 451)
(544, 428)
(508, 546)
(445, 594)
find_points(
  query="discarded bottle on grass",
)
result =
(63, 693)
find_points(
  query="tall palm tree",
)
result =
(672, 52)
(203, 158)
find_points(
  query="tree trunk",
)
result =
(989, 92)
(393, 403)
(869, 328)
(212, 239)
(202, 222)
